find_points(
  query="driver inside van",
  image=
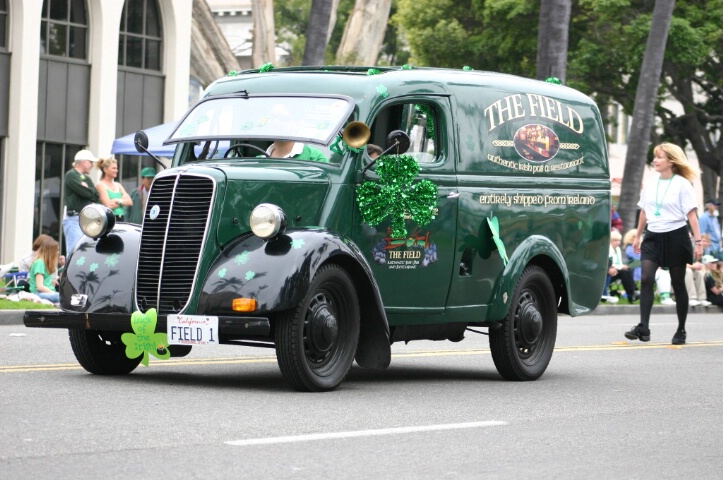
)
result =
(297, 150)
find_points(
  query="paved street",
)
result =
(605, 408)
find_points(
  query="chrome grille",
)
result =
(171, 244)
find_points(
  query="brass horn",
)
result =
(356, 134)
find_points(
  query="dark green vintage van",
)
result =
(489, 209)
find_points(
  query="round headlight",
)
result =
(267, 220)
(96, 220)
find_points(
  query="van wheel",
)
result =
(101, 353)
(522, 347)
(316, 342)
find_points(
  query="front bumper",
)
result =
(230, 327)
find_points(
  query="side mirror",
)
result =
(397, 142)
(141, 141)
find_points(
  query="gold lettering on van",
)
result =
(531, 200)
(513, 106)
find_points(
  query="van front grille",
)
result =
(171, 243)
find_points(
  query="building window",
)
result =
(140, 39)
(3, 24)
(53, 160)
(64, 29)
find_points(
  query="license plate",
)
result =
(192, 330)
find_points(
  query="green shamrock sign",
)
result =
(145, 340)
(396, 195)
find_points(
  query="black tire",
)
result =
(522, 346)
(316, 342)
(101, 353)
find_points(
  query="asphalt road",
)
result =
(605, 408)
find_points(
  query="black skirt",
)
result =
(668, 249)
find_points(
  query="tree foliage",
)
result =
(607, 41)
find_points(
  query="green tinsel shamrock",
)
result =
(407, 67)
(382, 91)
(425, 109)
(373, 71)
(554, 80)
(266, 67)
(232, 73)
(145, 340)
(395, 195)
(467, 68)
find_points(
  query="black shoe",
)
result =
(679, 337)
(637, 333)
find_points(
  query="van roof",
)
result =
(356, 81)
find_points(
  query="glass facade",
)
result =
(140, 42)
(64, 29)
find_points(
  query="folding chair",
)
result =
(14, 282)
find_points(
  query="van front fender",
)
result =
(278, 273)
(99, 274)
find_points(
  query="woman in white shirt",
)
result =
(666, 202)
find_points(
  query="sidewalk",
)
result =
(15, 317)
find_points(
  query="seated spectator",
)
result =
(616, 223)
(41, 272)
(618, 270)
(713, 279)
(662, 277)
(695, 282)
(664, 286)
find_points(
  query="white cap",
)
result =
(84, 155)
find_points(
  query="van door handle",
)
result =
(453, 195)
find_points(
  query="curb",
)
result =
(15, 317)
(11, 317)
(603, 309)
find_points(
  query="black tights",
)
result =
(647, 281)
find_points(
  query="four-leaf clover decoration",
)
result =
(145, 340)
(396, 196)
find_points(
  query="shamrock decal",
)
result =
(242, 258)
(112, 261)
(145, 340)
(396, 196)
(250, 275)
(494, 224)
(298, 243)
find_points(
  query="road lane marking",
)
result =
(362, 433)
(401, 355)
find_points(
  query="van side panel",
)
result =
(533, 162)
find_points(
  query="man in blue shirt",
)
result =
(709, 224)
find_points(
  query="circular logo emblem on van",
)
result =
(155, 210)
(536, 143)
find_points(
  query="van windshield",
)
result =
(313, 119)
